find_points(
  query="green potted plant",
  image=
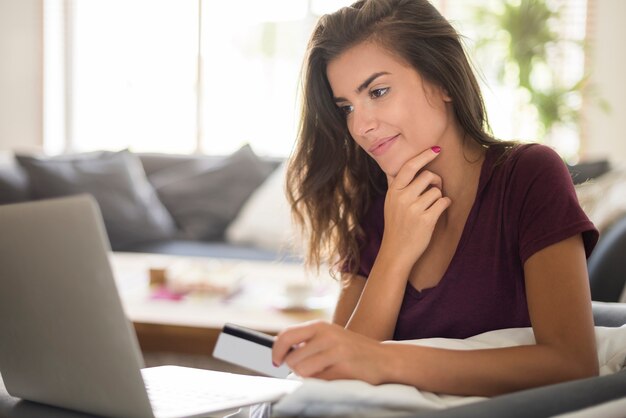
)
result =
(521, 35)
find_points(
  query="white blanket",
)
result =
(356, 398)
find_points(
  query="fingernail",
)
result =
(274, 363)
(436, 149)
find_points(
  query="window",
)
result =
(175, 75)
(250, 69)
(208, 76)
(511, 113)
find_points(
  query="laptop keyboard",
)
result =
(183, 392)
(166, 397)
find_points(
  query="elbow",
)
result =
(583, 369)
(590, 370)
(572, 364)
(575, 360)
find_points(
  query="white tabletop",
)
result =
(258, 301)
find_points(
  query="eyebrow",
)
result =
(364, 84)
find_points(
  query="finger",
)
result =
(424, 181)
(428, 198)
(410, 169)
(436, 209)
(305, 350)
(330, 373)
(289, 338)
(314, 364)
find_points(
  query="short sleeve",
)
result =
(549, 209)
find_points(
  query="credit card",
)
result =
(248, 348)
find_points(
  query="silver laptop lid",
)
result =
(65, 340)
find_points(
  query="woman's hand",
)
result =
(413, 205)
(327, 351)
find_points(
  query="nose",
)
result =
(363, 121)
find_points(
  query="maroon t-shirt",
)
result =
(523, 204)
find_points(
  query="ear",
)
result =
(436, 91)
(445, 95)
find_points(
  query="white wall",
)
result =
(606, 133)
(21, 55)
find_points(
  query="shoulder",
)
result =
(537, 153)
(542, 191)
(530, 163)
(529, 174)
(534, 157)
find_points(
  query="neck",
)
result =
(459, 167)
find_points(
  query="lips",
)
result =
(381, 145)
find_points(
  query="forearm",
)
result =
(351, 289)
(482, 372)
(376, 312)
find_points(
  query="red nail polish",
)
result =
(274, 363)
(436, 149)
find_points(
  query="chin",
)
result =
(389, 169)
(391, 173)
(392, 167)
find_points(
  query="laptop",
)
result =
(65, 340)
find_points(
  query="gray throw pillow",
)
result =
(205, 195)
(130, 207)
(13, 184)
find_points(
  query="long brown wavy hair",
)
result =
(331, 181)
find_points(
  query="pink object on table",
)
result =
(164, 293)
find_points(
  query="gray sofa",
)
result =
(183, 204)
(156, 203)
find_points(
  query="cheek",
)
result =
(355, 137)
(349, 124)
(426, 124)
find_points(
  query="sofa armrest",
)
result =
(607, 314)
(545, 401)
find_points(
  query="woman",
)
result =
(439, 229)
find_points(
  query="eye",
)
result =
(376, 93)
(346, 109)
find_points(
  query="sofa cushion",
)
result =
(130, 207)
(205, 195)
(13, 183)
(265, 219)
(155, 162)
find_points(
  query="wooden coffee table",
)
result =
(191, 325)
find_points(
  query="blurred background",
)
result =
(199, 76)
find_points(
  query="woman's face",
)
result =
(390, 111)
